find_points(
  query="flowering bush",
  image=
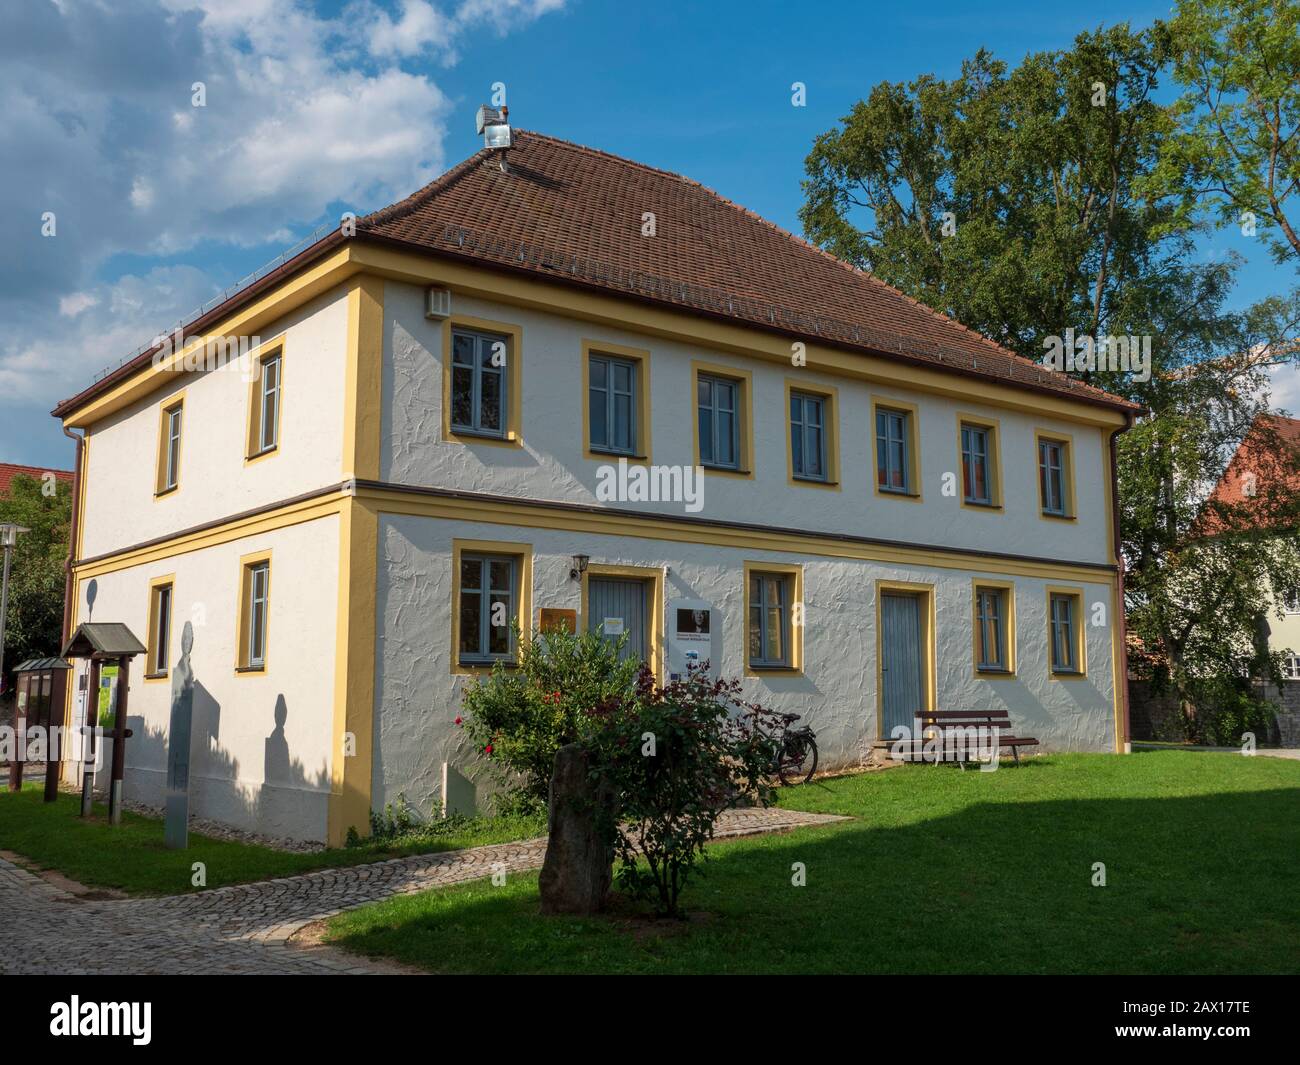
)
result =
(676, 757)
(519, 717)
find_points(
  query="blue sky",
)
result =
(317, 109)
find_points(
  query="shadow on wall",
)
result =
(290, 802)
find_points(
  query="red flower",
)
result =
(487, 749)
(458, 720)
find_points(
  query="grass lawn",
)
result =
(132, 857)
(945, 871)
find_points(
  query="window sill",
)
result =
(258, 455)
(1068, 674)
(815, 482)
(980, 504)
(156, 676)
(773, 669)
(1057, 517)
(481, 434)
(897, 493)
(734, 471)
(250, 669)
(600, 453)
(993, 671)
(472, 669)
(159, 493)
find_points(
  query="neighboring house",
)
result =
(897, 513)
(1257, 458)
(10, 470)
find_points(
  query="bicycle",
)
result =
(796, 762)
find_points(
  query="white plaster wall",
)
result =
(551, 465)
(215, 481)
(417, 697)
(1284, 627)
(243, 771)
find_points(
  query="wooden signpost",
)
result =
(103, 642)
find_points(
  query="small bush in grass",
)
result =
(519, 717)
(676, 757)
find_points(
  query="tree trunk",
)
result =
(578, 870)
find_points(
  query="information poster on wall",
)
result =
(693, 639)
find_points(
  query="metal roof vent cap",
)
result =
(492, 124)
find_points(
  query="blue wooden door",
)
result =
(616, 605)
(900, 661)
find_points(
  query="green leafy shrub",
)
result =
(519, 717)
(398, 826)
(393, 821)
(1223, 708)
(677, 756)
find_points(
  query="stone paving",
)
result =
(247, 928)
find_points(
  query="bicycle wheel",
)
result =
(798, 761)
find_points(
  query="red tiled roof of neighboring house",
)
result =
(1262, 476)
(574, 215)
(10, 470)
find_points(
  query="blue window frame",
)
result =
(769, 620)
(990, 617)
(487, 607)
(976, 463)
(478, 383)
(719, 423)
(1051, 476)
(1065, 648)
(893, 462)
(612, 403)
(808, 436)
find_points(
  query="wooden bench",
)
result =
(961, 733)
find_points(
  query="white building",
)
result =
(928, 517)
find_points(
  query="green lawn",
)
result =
(132, 857)
(944, 871)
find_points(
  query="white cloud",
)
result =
(74, 303)
(419, 26)
(1286, 389)
(304, 113)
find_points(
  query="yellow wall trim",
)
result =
(523, 557)
(798, 620)
(351, 761)
(637, 316)
(654, 579)
(641, 359)
(609, 521)
(363, 378)
(291, 513)
(1008, 589)
(514, 381)
(926, 611)
(744, 382)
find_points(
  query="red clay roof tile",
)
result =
(576, 214)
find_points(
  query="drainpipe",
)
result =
(72, 533)
(1122, 620)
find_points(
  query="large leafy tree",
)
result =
(34, 624)
(1007, 198)
(1027, 201)
(1236, 151)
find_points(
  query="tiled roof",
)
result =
(1267, 459)
(9, 470)
(575, 214)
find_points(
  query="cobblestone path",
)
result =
(247, 928)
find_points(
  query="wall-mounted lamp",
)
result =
(579, 567)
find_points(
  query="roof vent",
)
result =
(492, 124)
(437, 302)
